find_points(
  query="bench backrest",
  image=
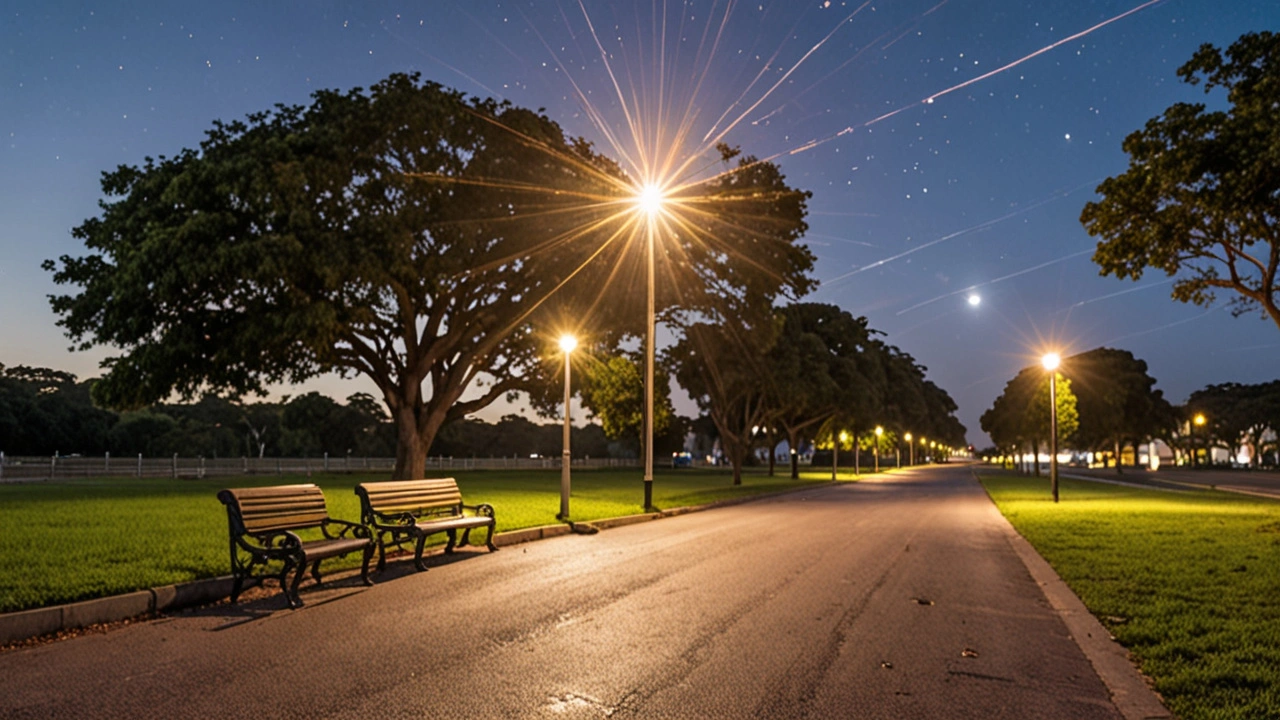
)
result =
(271, 509)
(416, 497)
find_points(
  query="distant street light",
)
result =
(1051, 362)
(568, 344)
(911, 448)
(879, 432)
(1191, 437)
(835, 453)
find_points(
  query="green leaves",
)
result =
(1201, 197)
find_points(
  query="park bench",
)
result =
(265, 523)
(401, 511)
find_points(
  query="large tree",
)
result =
(722, 367)
(1020, 416)
(407, 233)
(1117, 400)
(822, 364)
(1201, 197)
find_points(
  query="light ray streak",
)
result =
(593, 114)
(742, 97)
(720, 136)
(643, 169)
(1002, 278)
(1140, 288)
(439, 62)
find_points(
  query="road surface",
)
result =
(898, 598)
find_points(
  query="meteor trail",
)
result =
(928, 100)
(993, 282)
(1115, 294)
(976, 228)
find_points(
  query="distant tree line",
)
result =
(807, 373)
(1107, 403)
(47, 412)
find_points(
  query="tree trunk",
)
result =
(1119, 457)
(736, 457)
(411, 451)
(1137, 462)
(1035, 456)
(773, 452)
(792, 439)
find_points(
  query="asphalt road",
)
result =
(894, 599)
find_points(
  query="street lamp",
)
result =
(911, 448)
(835, 452)
(879, 432)
(1051, 362)
(568, 344)
(649, 200)
(1191, 436)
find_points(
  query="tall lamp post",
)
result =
(1197, 420)
(568, 344)
(649, 200)
(1051, 362)
(879, 432)
(837, 438)
(911, 449)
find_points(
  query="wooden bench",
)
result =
(403, 510)
(263, 526)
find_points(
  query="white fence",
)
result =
(16, 469)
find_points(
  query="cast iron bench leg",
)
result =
(364, 568)
(417, 553)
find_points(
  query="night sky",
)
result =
(979, 187)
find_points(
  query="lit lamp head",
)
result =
(1051, 361)
(649, 199)
(879, 431)
(844, 437)
(907, 437)
(568, 343)
(1199, 419)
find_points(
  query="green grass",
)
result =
(72, 540)
(1188, 582)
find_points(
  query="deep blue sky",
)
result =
(86, 87)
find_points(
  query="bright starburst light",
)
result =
(650, 199)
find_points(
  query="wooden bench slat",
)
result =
(259, 512)
(435, 505)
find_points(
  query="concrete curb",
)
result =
(18, 626)
(1130, 692)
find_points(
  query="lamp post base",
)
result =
(648, 496)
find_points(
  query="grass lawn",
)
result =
(1189, 582)
(77, 539)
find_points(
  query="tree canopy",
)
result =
(408, 233)
(1118, 401)
(1201, 197)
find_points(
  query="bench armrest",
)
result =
(403, 519)
(356, 529)
(484, 509)
(279, 542)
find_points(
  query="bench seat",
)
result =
(264, 524)
(402, 511)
